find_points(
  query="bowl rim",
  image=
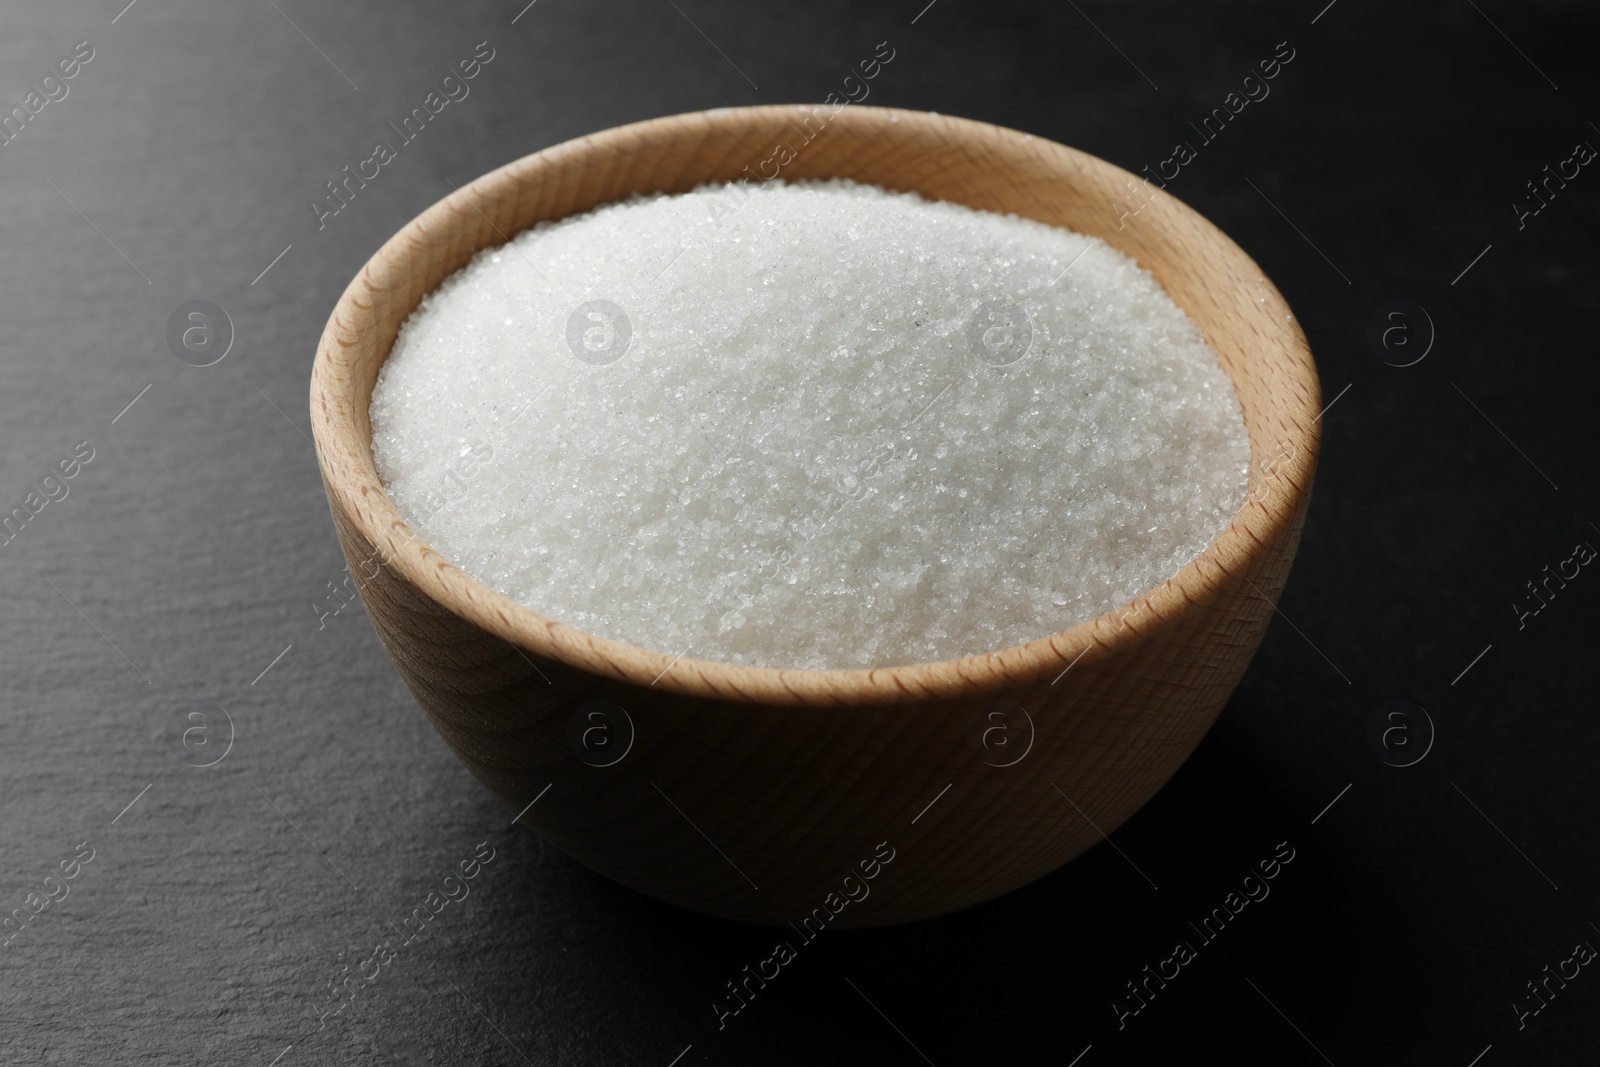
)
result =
(1272, 503)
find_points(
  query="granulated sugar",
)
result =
(812, 425)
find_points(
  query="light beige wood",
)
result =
(752, 793)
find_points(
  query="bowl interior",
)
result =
(1241, 314)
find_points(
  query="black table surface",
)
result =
(1391, 161)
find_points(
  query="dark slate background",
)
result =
(191, 549)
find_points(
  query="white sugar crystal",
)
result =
(809, 425)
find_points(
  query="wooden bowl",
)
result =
(773, 796)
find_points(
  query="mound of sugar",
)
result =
(809, 425)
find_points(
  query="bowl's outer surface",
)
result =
(751, 794)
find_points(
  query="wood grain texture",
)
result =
(751, 793)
